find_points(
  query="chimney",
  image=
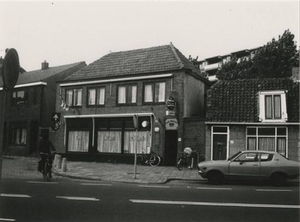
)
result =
(45, 65)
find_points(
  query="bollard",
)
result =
(64, 165)
(58, 161)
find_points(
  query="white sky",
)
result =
(64, 32)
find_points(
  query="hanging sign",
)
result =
(170, 103)
(171, 124)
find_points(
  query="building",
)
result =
(253, 114)
(210, 66)
(29, 107)
(159, 85)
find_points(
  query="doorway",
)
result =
(171, 137)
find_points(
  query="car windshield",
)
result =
(232, 157)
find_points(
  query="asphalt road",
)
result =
(80, 200)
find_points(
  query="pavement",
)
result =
(26, 167)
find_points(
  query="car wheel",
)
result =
(278, 179)
(215, 178)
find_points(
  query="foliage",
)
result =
(274, 60)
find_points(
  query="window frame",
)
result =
(263, 107)
(73, 90)
(14, 127)
(277, 135)
(23, 102)
(154, 92)
(128, 87)
(97, 96)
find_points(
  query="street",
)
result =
(66, 199)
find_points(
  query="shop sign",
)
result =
(170, 103)
(171, 124)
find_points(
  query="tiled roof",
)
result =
(140, 61)
(237, 101)
(41, 75)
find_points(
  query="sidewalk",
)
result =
(26, 167)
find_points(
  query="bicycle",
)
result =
(151, 159)
(187, 160)
(46, 168)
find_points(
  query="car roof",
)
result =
(258, 151)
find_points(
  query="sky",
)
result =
(65, 32)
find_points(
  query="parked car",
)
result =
(250, 165)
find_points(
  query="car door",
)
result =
(245, 167)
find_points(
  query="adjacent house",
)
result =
(253, 114)
(29, 107)
(158, 86)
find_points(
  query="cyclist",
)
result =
(45, 147)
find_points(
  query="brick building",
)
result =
(158, 84)
(29, 107)
(253, 114)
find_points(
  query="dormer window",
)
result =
(272, 106)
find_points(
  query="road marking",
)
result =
(270, 190)
(215, 204)
(6, 219)
(212, 188)
(14, 195)
(153, 186)
(95, 184)
(78, 198)
(41, 182)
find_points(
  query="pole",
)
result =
(135, 152)
(2, 115)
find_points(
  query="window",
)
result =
(18, 132)
(127, 94)
(267, 138)
(19, 97)
(272, 106)
(96, 96)
(155, 92)
(74, 97)
(247, 157)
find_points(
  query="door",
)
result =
(219, 147)
(245, 166)
(171, 137)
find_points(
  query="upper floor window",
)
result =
(74, 97)
(19, 97)
(127, 94)
(96, 96)
(272, 106)
(155, 92)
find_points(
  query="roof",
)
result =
(42, 75)
(134, 62)
(237, 101)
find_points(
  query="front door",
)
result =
(171, 137)
(219, 147)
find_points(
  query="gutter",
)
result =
(253, 123)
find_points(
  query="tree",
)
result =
(274, 60)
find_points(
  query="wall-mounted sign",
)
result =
(171, 124)
(170, 103)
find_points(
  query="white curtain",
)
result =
(92, 97)
(281, 146)
(23, 136)
(251, 143)
(133, 94)
(148, 93)
(78, 97)
(161, 93)
(109, 141)
(266, 143)
(69, 97)
(122, 94)
(143, 141)
(101, 94)
(78, 141)
(277, 107)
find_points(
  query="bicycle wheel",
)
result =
(154, 160)
(139, 160)
(47, 172)
(180, 164)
